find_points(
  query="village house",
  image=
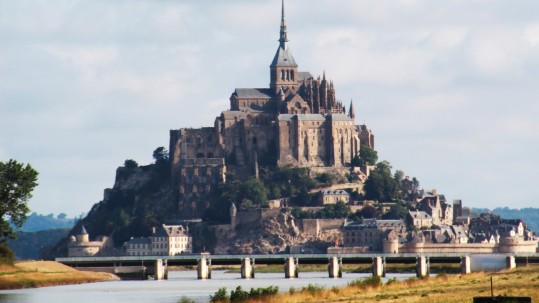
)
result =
(371, 232)
(167, 240)
(333, 196)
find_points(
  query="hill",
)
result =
(37, 222)
(34, 245)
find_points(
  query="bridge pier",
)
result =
(465, 265)
(204, 268)
(161, 269)
(335, 267)
(422, 267)
(510, 262)
(378, 267)
(247, 268)
(291, 268)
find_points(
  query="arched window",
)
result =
(200, 155)
(287, 75)
(210, 155)
(292, 75)
(254, 140)
(282, 75)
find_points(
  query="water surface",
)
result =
(180, 283)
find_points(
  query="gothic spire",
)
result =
(283, 34)
(351, 112)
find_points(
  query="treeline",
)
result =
(36, 245)
(37, 222)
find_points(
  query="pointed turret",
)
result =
(283, 37)
(283, 68)
(351, 112)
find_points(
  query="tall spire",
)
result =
(351, 112)
(283, 34)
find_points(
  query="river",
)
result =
(180, 283)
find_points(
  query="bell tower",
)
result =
(283, 68)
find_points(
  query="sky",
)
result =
(449, 88)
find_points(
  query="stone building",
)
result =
(371, 233)
(168, 240)
(81, 246)
(333, 196)
(419, 219)
(297, 121)
(436, 206)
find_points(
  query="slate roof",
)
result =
(340, 117)
(170, 231)
(334, 192)
(283, 57)
(256, 93)
(304, 76)
(139, 241)
(419, 214)
(311, 117)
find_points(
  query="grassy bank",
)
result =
(46, 273)
(523, 281)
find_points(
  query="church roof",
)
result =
(257, 93)
(311, 117)
(283, 57)
(340, 117)
(304, 76)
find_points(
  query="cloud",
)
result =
(447, 87)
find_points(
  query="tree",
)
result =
(380, 185)
(16, 185)
(367, 156)
(130, 164)
(368, 212)
(396, 212)
(254, 190)
(160, 154)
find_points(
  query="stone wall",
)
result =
(313, 227)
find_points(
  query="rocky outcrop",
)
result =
(271, 235)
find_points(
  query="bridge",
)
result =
(144, 267)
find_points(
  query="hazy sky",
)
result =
(450, 88)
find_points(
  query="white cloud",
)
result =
(448, 87)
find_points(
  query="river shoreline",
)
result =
(33, 274)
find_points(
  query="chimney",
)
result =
(153, 230)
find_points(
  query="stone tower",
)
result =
(283, 68)
(83, 235)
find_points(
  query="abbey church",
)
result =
(296, 121)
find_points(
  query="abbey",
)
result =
(296, 121)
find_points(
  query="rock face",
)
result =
(139, 200)
(272, 235)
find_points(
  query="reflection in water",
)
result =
(180, 283)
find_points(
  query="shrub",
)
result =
(185, 299)
(220, 296)
(372, 281)
(239, 295)
(262, 292)
(6, 254)
(313, 289)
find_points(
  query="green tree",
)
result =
(396, 212)
(17, 182)
(254, 190)
(129, 163)
(160, 154)
(367, 156)
(380, 185)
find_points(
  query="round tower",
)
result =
(83, 235)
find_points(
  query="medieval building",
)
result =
(297, 121)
